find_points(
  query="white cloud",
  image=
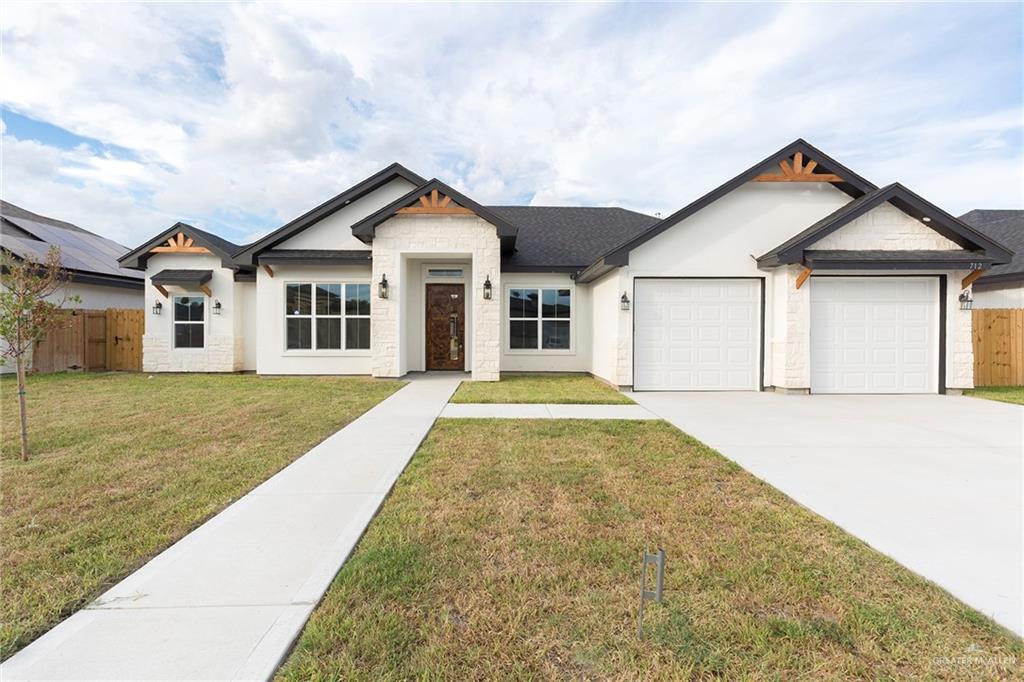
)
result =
(240, 117)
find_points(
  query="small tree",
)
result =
(32, 293)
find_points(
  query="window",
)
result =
(317, 317)
(444, 272)
(188, 321)
(539, 319)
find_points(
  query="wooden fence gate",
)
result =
(998, 347)
(93, 340)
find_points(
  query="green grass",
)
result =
(123, 465)
(540, 388)
(1005, 394)
(510, 550)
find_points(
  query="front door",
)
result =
(446, 326)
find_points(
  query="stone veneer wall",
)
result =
(440, 234)
(959, 336)
(223, 353)
(886, 228)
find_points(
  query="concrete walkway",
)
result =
(933, 481)
(545, 411)
(227, 600)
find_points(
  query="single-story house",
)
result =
(96, 277)
(1003, 285)
(797, 274)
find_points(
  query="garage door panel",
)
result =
(707, 338)
(874, 335)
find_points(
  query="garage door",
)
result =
(874, 334)
(697, 335)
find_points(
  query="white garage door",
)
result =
(697, 335)
(874, 334)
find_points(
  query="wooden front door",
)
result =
(446, 326)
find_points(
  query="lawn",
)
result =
(125, 464)
(1005, 394)
(540, 388)
(510, 550)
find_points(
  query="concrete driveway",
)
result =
(935, 482)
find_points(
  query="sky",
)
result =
(125, 118)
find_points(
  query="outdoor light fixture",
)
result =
(382, 287)
(624, 301)
(487, 288)
(157, 307)
(216, 307)
(966, 302)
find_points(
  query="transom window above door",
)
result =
(539, 318)
(327, 316)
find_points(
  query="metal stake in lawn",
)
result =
(657, 561)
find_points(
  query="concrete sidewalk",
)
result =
(227, 600)
(544, 411)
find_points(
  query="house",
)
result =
(1003, 285)
(97, 278)
(797, 274)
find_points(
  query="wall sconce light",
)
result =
(216, 307)
(487, 288)
(382, 287)
(624, 301)
(157, 307)
(966, 302)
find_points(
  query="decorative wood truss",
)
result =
(435, 203)
(969, 279)
(202, 287)
(802, 277)
(798, 172)
(179, 243)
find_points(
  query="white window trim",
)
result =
(324, 352)
(507, 313)
(206, 328)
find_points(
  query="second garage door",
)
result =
(874, 334)
(697, 335)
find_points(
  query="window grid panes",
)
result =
(540, 319)
(189, 321)
(327, 316)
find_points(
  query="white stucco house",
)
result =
(797, 275)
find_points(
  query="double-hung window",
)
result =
(539, 318)
(327, 316)
(189, 321)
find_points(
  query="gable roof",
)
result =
(792, 250)
(136, 258)
(1005, 226)
(248, 254)
(566, 238)
(853, 185)
(366, 228)
(89, 257)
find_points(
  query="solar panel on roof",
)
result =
(79, 250)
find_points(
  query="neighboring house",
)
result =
(796, 274)
(96, 277)
(1003, 285)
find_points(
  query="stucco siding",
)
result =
(97, 297)
(1010, 295)
(578, 357)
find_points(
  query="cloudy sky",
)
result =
(125, 118)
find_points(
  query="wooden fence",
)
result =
(999, 347)
(93, 340)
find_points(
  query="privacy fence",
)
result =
(999, 347)
(93, 340)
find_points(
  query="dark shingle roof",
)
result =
(1005, 226)
(182, 277)
(568, 237)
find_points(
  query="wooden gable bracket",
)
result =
(160, 288)
(798, 172)
(802, 277)
(268, 270)
(206, 290)
(437, 204)
(969, 279)
(179, 243)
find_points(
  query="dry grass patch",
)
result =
(125, 464)
(540, 388)
(510, 550)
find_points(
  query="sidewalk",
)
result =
(228, 599)
(545, 411)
